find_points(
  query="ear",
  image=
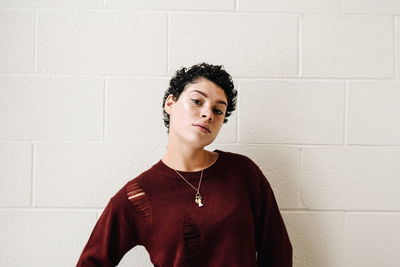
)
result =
(169, 103)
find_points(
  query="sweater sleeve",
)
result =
(110, 239)
(272, 240)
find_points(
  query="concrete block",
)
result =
(134, 109)
(102, 42)
(373, 239)
(15, 174)
(51, 108)
(303, 6)
(43, 238)
(318, 239)
(357, 178)
(374, 112)
(247, 45)
(347, 46)
(17, 29)
(52, 3)
(388, 7)
(308, 112)
(138, 256)
(88, 174)
(173, 4)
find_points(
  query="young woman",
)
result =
(194, 207)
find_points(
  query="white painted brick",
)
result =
(291, 112)
(37, 107)
(372, 6)
(15, 174)
(173, 4)
(138, 256)
(374, 112)
(359, 178)
(43, 238)
(318, 239)
(320, 6)
(247, 45)
(134, 110)
(347, 46)
(281, 167)
(397, 47)
(88, 174)
(17, 40)
(102, 42)
(134, 102)
(373, 239)
(52, 3)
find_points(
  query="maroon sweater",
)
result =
(157, 210)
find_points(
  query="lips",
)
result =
(203, 126)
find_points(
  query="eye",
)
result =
(196, 101)
(219, 112)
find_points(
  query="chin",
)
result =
(201, 142)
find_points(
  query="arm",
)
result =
(110, 239)
(272, 240)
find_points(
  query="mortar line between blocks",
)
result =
(340, 211)
(238, 78)
(222, 11)
(311, 78)
(236, 5)
(396, 55)
(52, 209)
(345, 113)
(394, 58)
(345, 238)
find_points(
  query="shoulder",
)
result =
(133, 186)
(132, 203)
(246, 167)
(240, 161)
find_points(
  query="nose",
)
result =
(207, 113)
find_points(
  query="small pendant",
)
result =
(198, 200)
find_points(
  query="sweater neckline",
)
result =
(166, 170)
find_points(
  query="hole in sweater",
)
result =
(191, 237)
(139, 199)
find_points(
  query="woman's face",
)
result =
(201, 103)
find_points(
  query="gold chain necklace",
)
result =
(198, 197)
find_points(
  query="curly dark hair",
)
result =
(213, 73)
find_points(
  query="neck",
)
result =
(186, 159)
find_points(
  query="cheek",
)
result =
(183, 113)
(187, 110)
(186, 107)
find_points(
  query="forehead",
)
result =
(208, 87)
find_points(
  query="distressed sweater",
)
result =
(239, 224)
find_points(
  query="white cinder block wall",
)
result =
(81, 86)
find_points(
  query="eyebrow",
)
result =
(204, 94)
